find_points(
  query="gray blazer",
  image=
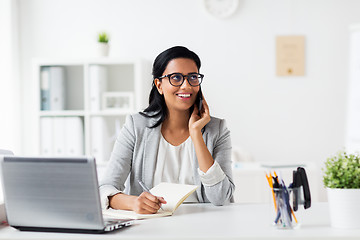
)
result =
(135, 153)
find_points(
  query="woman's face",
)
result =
(181, 97)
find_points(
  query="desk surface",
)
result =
(205, 221)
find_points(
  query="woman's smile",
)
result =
(184, 96)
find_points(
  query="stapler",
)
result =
(300, 180)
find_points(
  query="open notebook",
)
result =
(174, 194)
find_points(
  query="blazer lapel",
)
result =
(152, 139)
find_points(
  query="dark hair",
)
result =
(157, 106)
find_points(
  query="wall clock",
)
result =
(221, 8)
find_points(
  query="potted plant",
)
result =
(103, 44)
(342, 180)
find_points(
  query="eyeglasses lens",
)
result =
(176, 79)
(193, 79)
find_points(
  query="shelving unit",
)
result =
(90, 121)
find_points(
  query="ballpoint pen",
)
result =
(146, 189)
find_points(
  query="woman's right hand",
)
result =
(147, 203)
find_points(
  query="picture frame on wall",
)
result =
(118, 101)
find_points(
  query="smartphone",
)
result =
(198, 101)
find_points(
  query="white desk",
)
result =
(204, 221)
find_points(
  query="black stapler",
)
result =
(300, 179)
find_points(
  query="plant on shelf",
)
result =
(342, 180)
(103, 37)
(103, 44)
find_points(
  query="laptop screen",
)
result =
(51, 192)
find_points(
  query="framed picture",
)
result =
(290, 55)
(118, 101)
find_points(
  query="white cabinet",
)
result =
(251, 185)
(353, 107)
(83, 104)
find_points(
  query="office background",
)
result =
(271, 118)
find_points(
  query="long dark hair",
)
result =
(157, 106)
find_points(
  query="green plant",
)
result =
(342, 171)
(103, 37)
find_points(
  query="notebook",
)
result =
(173, 193)
(54, 195)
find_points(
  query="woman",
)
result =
(171, 141)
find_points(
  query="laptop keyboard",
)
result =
(111, 225)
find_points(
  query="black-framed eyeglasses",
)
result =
(177, 79)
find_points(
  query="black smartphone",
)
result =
(198, 101)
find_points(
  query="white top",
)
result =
(175, 165)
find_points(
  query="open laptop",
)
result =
(2, 205)
(54, 194)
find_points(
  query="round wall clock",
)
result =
(221, 8)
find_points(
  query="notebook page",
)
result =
(174, 194)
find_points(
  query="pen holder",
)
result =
(283, 201)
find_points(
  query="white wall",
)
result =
(10, 137)
(275, 118)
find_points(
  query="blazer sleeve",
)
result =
(222, 192)
(119, 165)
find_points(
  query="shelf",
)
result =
(111, 113)
(74, 113)
(79, 117)
(65, 113)
(81, 61)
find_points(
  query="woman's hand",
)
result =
(196, 123)
(147, 203)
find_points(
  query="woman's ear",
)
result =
(157, 83)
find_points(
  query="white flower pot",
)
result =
(103, 49)
(344, 207)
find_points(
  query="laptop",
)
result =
(54, 194)
(2, 206)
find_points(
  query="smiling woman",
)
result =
(165, 67)
(170, 141)
(178, 93)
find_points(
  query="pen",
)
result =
(146, 189)
(269, 178)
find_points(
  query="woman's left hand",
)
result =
(196, 123)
